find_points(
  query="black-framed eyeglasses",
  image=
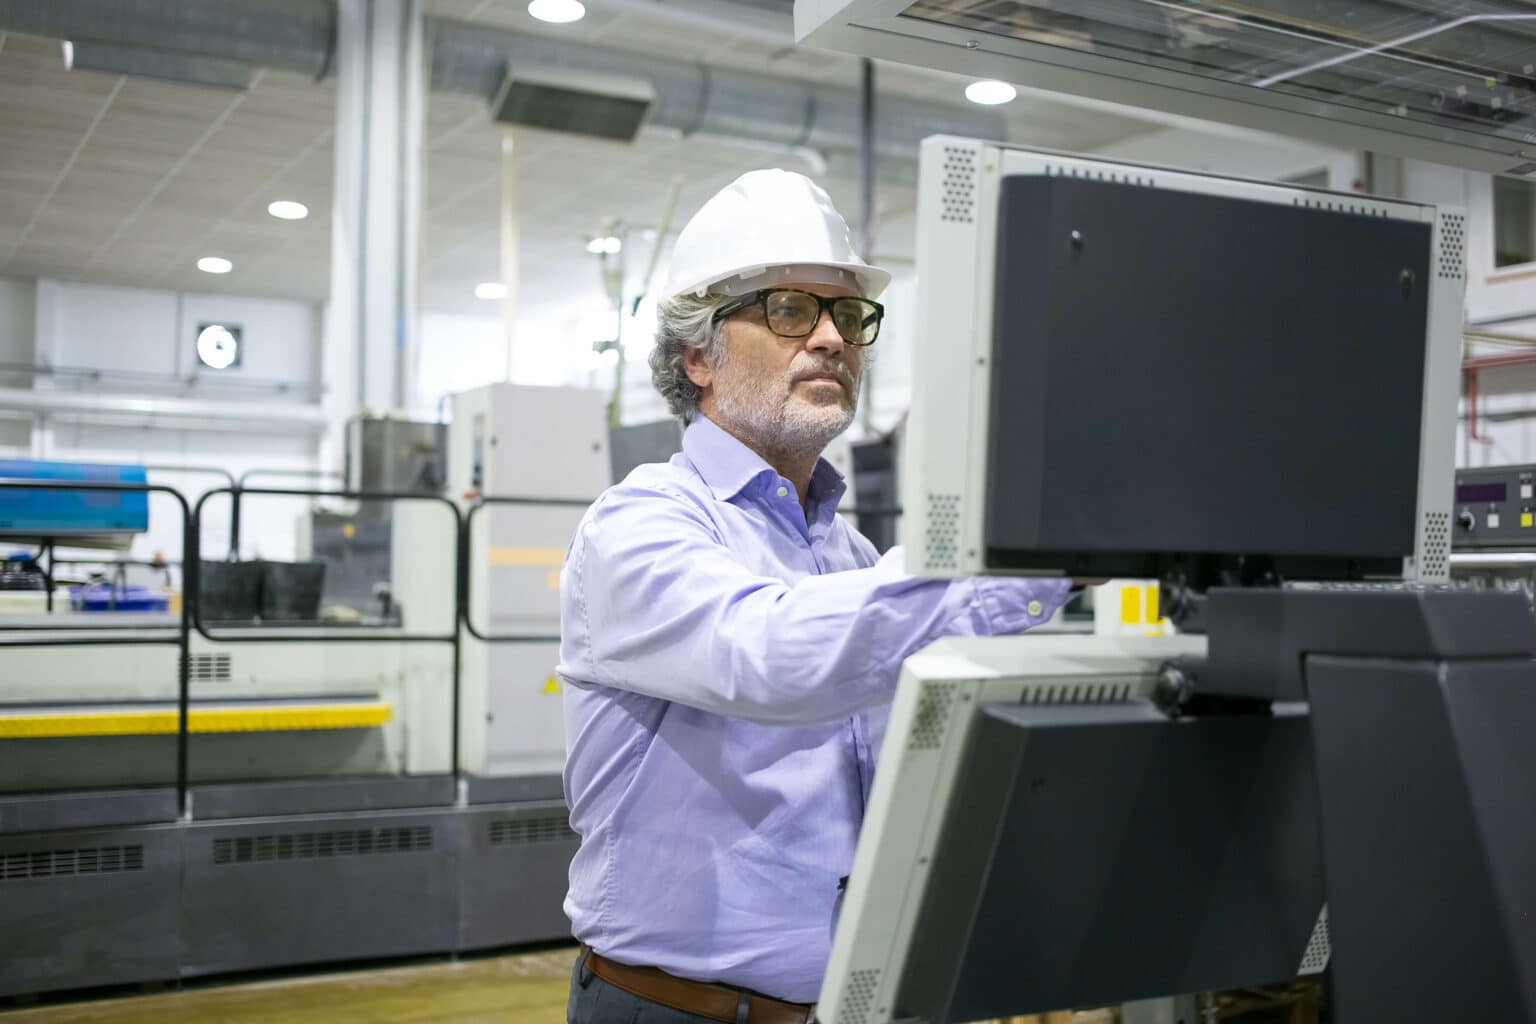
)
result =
(791, 313)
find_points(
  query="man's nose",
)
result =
(824, 336)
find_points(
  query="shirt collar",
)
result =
(727, 466)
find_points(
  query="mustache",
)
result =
(837, 369)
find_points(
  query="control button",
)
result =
(1493, 520)
(1527, 520)
(1035, 608)
(1466, 520)
(1525, 491)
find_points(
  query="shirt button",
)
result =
(783, 491)
(1035, 608)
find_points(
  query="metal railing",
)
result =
(191, 617)
(191, 577)
(180, 637)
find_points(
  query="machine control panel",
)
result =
(1495, 508)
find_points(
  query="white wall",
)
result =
(139, 331)
(134, 329)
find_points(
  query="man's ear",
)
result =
(698, 367)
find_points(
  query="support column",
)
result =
(370, 346)
(509, 241)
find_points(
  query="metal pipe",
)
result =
(290, 35)
(467, 57)
(695, 100)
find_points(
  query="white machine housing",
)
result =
(506, 440)
(943, 477)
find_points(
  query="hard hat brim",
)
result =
(871, 281)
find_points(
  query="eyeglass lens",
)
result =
(795, 314)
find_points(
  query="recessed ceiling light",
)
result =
(608, 244)
(559, 12)
(69, 55)
(215, 265)
(287, 209)
(990, 93)
(490, 290)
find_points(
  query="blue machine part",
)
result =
(51, 513)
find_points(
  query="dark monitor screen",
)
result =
(1181, 376)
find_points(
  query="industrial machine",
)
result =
(1330, 765)
(523, 463)
(1493, 540)
(323, 791)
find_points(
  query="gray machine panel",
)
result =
(506, 789)
(286, 891)
(320, 796)
(1232, 385)
(82, 909)
(513, 871)
(43, 812)
(1086, 875)
(1495, 508)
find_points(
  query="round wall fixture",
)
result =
(218, 346)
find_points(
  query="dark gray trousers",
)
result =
(594, 1001)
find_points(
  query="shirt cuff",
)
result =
(1012, 605)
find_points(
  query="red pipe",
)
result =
(1491, 362)
(1471, 368)
(1471, 403)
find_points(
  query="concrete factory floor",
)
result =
(523, 989)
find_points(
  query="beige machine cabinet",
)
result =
(521, 442)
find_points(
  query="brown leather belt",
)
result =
(717, 1002)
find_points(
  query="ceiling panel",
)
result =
(128, 181)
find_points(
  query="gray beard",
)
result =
(779, 427)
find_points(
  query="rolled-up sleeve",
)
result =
(654, 602)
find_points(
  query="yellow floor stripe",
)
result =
(272, 718)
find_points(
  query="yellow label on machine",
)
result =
(1526, 518)
(1130, 606)
(528, 558)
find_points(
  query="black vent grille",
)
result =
(553, 828)
(91, 860)
(209, 668)
(316, 845)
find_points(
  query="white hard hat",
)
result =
(768, 227)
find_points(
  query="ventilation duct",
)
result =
(690, 99)
(582, 103)
(210, 72)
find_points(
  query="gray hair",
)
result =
(682, 323)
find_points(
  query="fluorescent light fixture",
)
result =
(558, 12)
(215, 265)
(608, 244)
(990, 93)
(69, 55)
(490, 290)
(218, 346)
(287, 209)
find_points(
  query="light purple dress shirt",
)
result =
(729, 661)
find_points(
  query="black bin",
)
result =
(290, 591)
(229, 591)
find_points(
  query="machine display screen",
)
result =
(1473, 493)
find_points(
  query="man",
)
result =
(730, 646)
